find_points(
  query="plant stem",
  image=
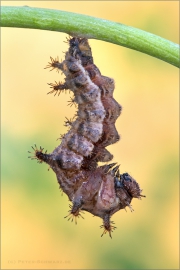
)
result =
(90, 27)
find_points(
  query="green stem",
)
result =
(85, 26)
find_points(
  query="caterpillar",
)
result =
(99, 190)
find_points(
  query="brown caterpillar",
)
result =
(100, 190)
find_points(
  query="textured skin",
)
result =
(101, 191)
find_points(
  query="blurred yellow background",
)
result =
(35, 234)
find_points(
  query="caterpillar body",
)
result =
(100, 190)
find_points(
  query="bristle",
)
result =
(113, 172)
(106, 168)
(118, 174)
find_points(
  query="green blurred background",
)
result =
(35, 234)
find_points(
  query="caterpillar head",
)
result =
(126, 189)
